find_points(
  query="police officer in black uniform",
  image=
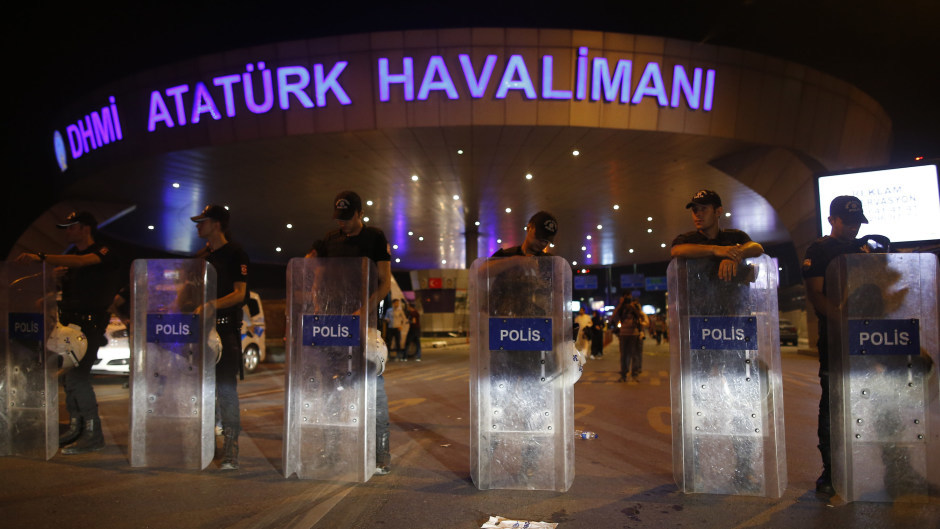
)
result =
(355, 239)
(846, 218)
(728, 246)
(89, 282)
(231, 266)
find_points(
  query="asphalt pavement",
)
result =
(623, 478)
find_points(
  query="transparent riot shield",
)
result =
(727, 398)
(29, 394)
(173, 366)
(522, 374)
(329, 411)
(885, 414)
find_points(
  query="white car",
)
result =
(115, 357)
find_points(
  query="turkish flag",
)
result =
(435, 282)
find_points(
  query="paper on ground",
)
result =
(498, 522)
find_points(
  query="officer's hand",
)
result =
(207, 307)
(727, 269)
(59, 272)
(729, 252)
(27, 258)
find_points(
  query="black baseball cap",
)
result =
(847, 208)
(82, 217)
(214, 212)
(705, 197)
(346, 204)
(546, 225)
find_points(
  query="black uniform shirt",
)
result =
(724, 238)
(518, 291)
(509, 252)
(369, 242)
(821, 253)
(231, 266)
(90, 289)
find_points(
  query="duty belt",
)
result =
(77, 317)
(226, 320)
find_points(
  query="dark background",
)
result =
(57, 52)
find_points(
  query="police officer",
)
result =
(729, 246)
(539, 234)
(231, 266)
(355, 239)
(89, 282)
(846, 218)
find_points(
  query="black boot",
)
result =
(230, 451)
(824, 488)
(75, 429)
(90, 440)
(382, 455)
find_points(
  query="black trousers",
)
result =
(823, 428)
(226, 376)
(80, 399)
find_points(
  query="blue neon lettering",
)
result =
(619, 83)
(592, 79)
(176, 93)
(681, 85)
(285, 88)
(581, 83)
(104, 129)
(203, 103)
(477, 85)
(267, 89)
(437, 68)
(709, 90)
(516, 67)
(226, 82)
(547, 91)
(75, 140)
(115, 120)
(406, 78)
(158, 112)
(87, 134)
(330, 83)
(651, 75)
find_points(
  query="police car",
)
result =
(114, 358)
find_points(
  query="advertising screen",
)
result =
(901, 203)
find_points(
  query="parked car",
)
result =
(114, 358)
(788, 333)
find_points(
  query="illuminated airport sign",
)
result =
(263, 87)
(901, 203)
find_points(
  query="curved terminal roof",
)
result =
(440, 129)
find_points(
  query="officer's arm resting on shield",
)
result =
(229, 300)
(70, 261)
(730, 256)
(498, 265)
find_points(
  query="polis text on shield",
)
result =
(724, 334)
(520, 335)
(26, 327)
(330, 331)
(884, 338)
(172, 329)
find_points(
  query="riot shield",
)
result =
(883, 382)
(522, 374)
(173, 367)
(725, 379)
(329, 410)
(29, 394)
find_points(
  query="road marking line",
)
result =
(655, 417)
